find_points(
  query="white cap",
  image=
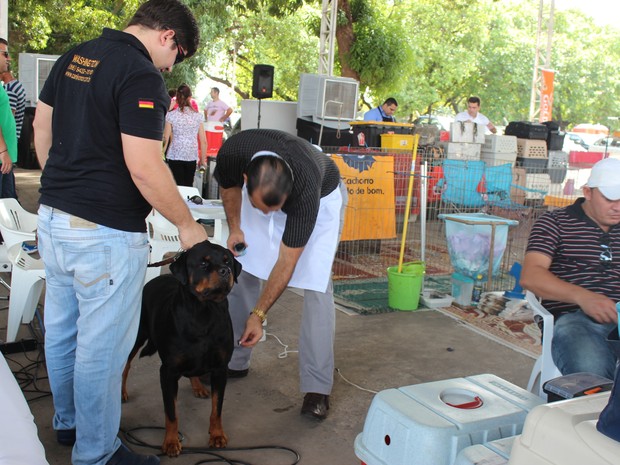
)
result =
(605, 176)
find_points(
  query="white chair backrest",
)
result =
(160, 229)
(187, 192)
(25, 261)
(544, 368)
(16, 224)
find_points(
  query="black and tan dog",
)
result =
(185, 319)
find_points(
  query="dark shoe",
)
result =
(315, 405)
(65, 437)
(124, 456)
(238, 373)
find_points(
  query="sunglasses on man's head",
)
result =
(5, 53)
(180, 53)
(606, 256)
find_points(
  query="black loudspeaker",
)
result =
(262, 85)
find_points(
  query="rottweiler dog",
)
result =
(185, 319)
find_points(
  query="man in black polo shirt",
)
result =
(570, 264)
(282, 199)
(98, 135)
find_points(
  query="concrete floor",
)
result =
(373, 353)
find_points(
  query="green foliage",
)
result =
(429, 54)
(54, 26)
(378, 53)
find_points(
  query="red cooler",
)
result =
(215, 134)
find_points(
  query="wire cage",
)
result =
(501, 184)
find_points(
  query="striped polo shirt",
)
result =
(17, 100)
(577, 247)
(315, 175)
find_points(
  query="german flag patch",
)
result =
(143, 103)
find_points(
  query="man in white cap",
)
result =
(573, 263)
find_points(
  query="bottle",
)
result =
(477, 292)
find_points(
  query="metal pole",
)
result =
(490, 278)
(327, 36)
(536, 61)
(423, 192)
(549, 35)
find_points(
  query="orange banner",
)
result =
(546, 95)
(370, 212)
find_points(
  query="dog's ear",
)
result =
(236, 266)
(178, 268)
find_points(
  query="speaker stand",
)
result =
(258, 121)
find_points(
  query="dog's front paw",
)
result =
(199, 389)
(172, 447)
(218, 441)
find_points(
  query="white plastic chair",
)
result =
(27, 279)
(544, 369)
(220, 226)
(187, 192)
(163, 239)
(16, 224)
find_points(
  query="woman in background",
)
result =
(185, 143)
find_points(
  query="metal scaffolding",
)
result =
(545, 15)
(327, 37)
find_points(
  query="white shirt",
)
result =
(479, 119)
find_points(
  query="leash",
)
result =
(166, 261)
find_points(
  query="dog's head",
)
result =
(209, 270)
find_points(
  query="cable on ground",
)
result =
(218, 455)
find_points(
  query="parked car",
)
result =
(607, 145)
(574, 143)
(442, 122)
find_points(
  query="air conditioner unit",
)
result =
(33, 71)
(327, 97)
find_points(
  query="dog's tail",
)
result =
(149, 349)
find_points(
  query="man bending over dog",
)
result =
(98, 135)
(284, 200)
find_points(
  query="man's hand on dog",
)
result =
(253, 332)
(192, 234)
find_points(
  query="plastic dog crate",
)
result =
(461, 150)
(533, 165)
(531, 148)
(564, 433)
(491, 453)
(558, 165)
(430, 423)
(498, 158)
(500, 144)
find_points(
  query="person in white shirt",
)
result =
(473, 114)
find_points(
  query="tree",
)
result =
(53, 26)
(429, 54)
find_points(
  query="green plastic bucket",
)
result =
(404, 288)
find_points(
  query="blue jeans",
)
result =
(7, 186)
(579, 344)
(94, 279)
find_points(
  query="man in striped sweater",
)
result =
(17, 98)
(570, 264)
